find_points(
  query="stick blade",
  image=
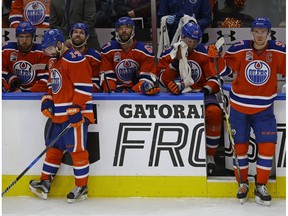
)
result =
(219, 43)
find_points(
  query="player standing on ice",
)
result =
(128, 65)
(69, 101)
(254, 89)
(79, 34)
(201, 78)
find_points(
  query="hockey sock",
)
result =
(213, 119)
(264, 161)
(81, 167)
(241, 152)
(52, 163)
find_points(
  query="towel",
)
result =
(184, 68)
(185, 19)
(164, 41)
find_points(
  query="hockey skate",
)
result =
(262, 195)
(242, 193)
(40, 188)
(211, 165)
(78, 194)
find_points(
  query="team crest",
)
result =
(196, 71)
(56, 80)
(35, 12)
(126, 70)
(23, 70)
(257, 72)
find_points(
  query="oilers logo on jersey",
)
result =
(23, 70)
(56, 80)
(257, 72)
(126, 69)
(35, 12)
(196, 71)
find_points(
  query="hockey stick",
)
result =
(36, 159)
(103, 77)
(219, 44)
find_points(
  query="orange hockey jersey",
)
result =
(35, 12)
(94, 59)
(22, 65)
(255, 86)
(126, 69)
(202, 69)
(70, 84)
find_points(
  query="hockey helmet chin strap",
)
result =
(119, 40)
(79, 46)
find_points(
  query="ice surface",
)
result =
(55, 206)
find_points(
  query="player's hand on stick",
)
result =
(176, 86)
(47, 106)
(75, 116)
(213, 52)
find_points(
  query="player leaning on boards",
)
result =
(69, 101)
(254, 89)
(128, 64)
(186, 67)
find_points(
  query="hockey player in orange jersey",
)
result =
(186, 67)
(128, 65)
(69, 101)
(24, 65)
(79, 34)
(35, 12)
(257, 63)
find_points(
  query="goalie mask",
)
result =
(84, 28)
(50, 40)
(122, 23)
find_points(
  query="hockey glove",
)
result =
(213, 52)
(75, 116)
(47, 106)
(170, 19)
(176, 86)
(149, 89)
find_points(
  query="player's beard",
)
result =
(25, 47)
(125, 37)
(77, 41)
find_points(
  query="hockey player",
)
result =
(24, 65)
(202, 79)
(69, 101)
(35, 12)
(254, 89)
(128, 65)
(79, 35)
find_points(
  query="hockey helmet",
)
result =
(82, 26)
(261, 22)
(25, 28)
(124, 21)
(192, 30)
(51, 37)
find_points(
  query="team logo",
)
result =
(257, 72)
(35, 12)
(56, 80)
(23, 70)
(126, 70)
(196, 71)
(13, 56)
